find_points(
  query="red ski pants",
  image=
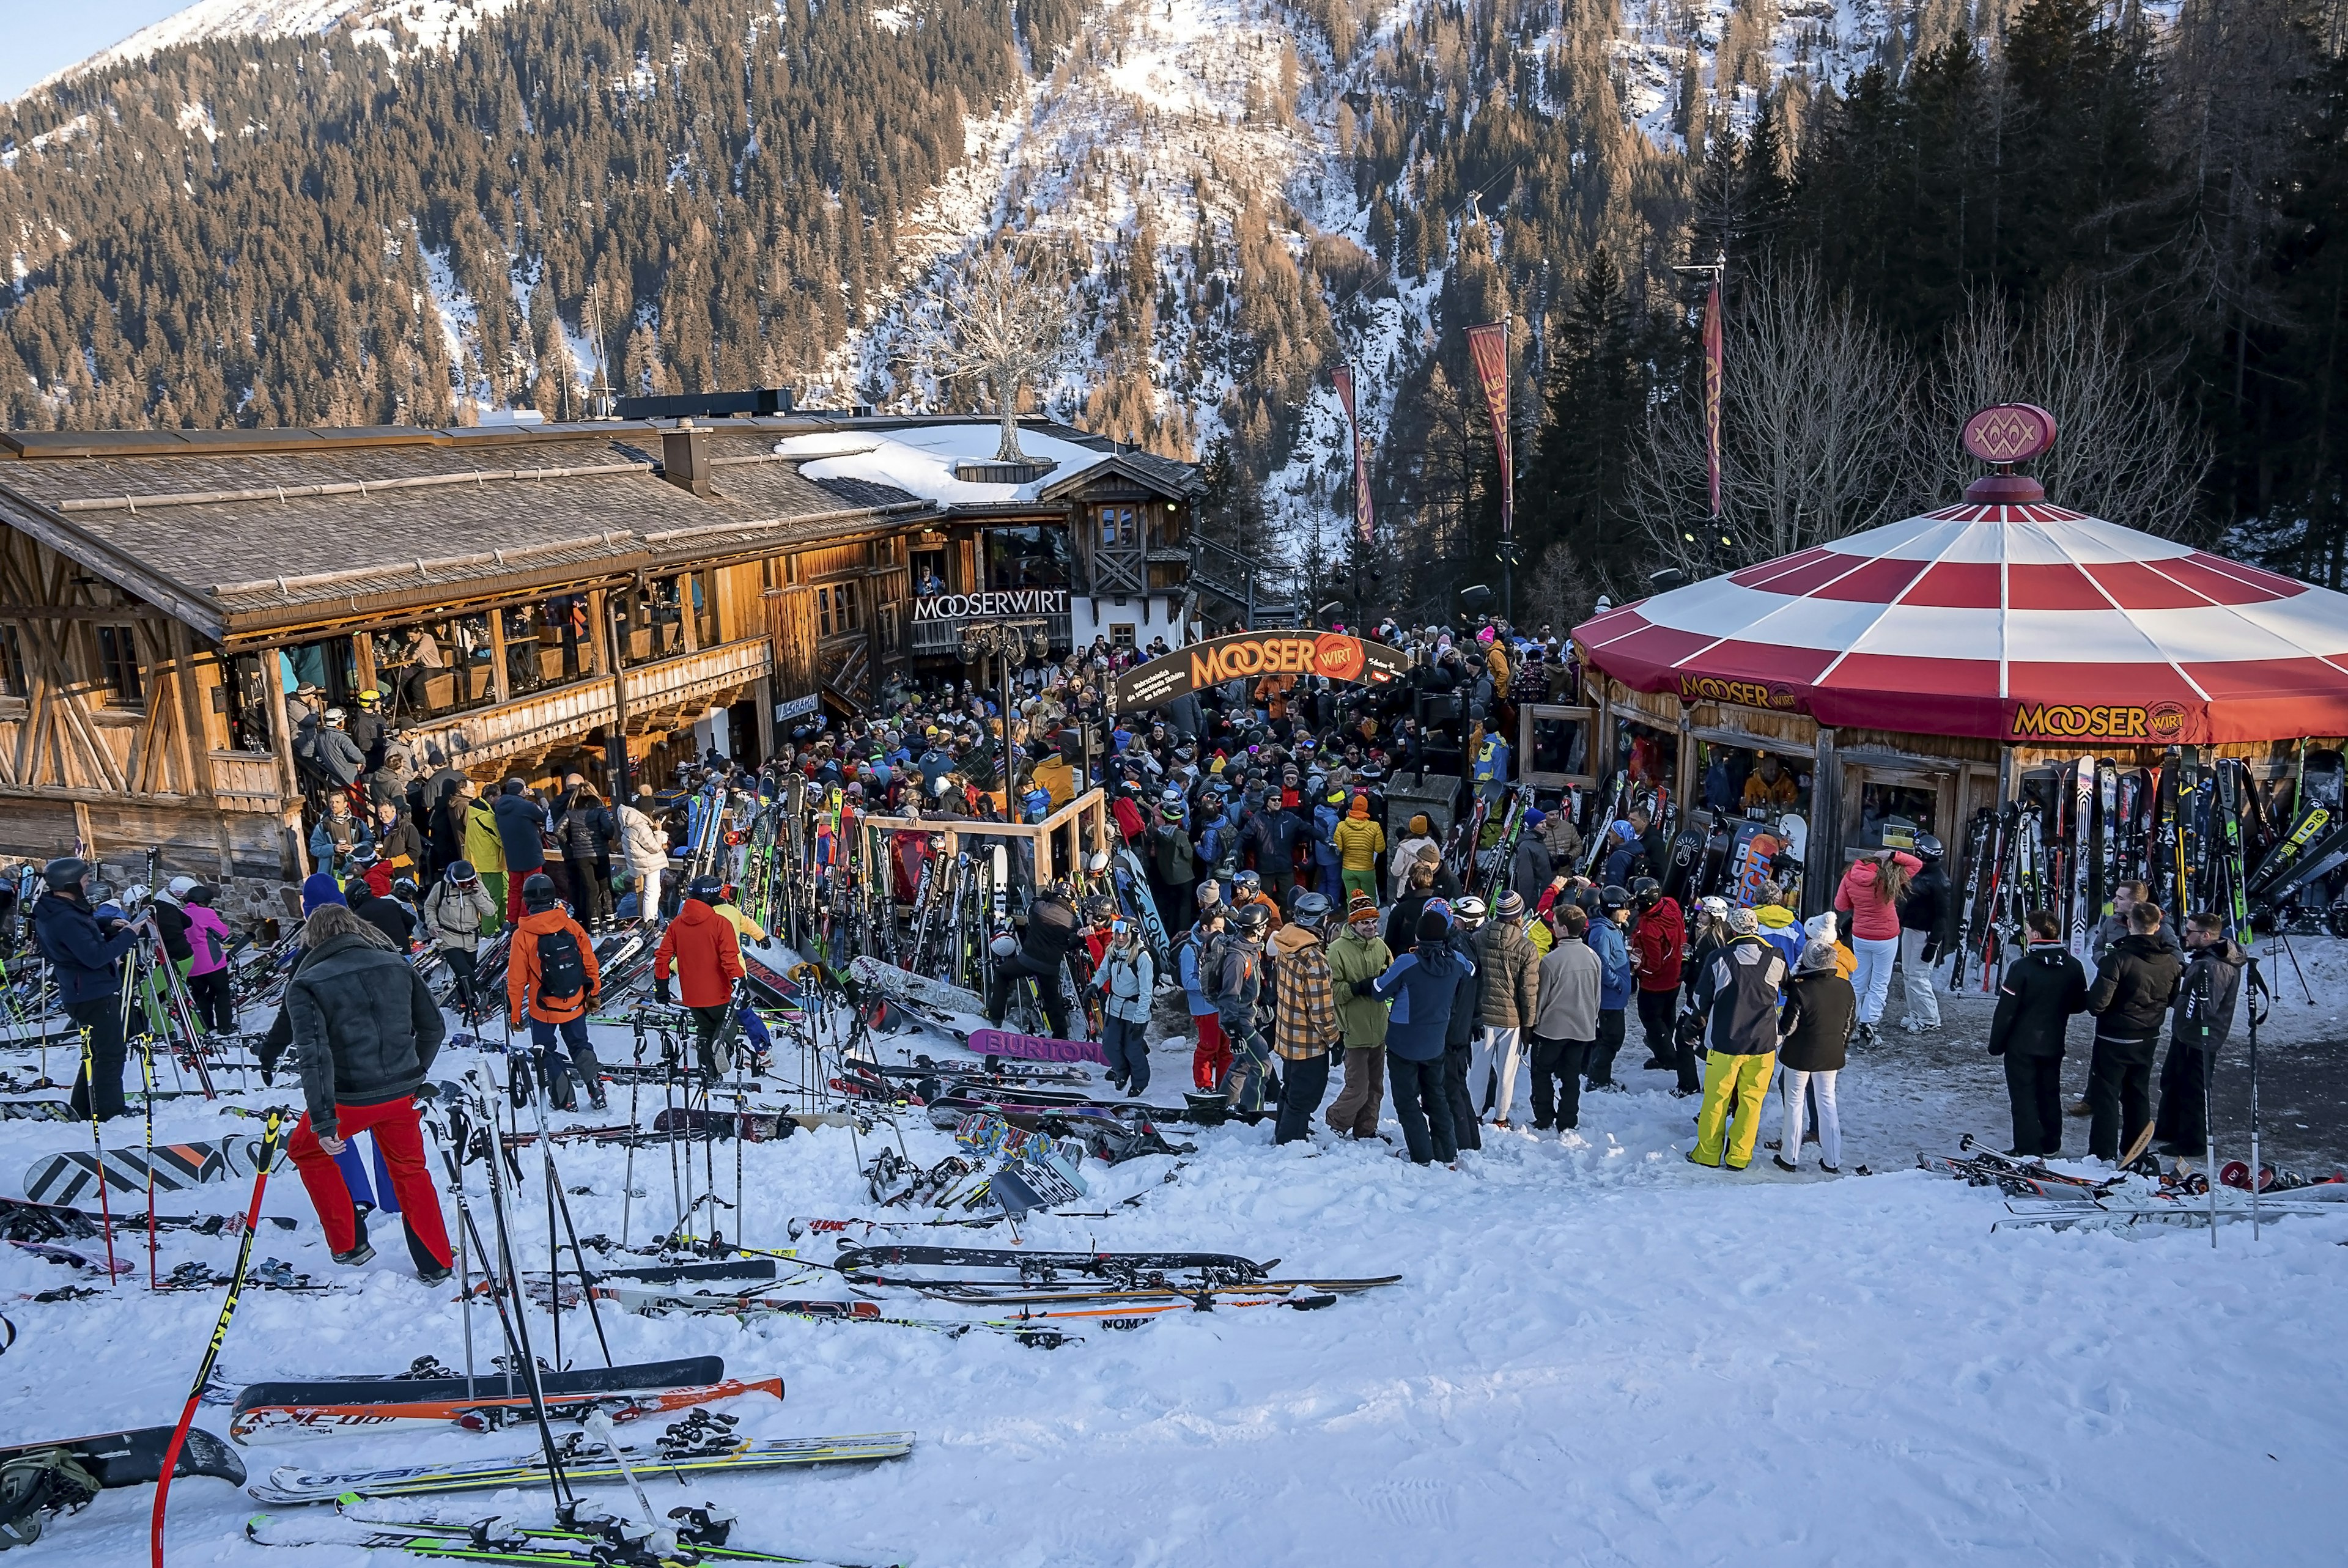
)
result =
(401, 1140)
(1211, 1057)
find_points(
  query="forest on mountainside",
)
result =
(242, 230)
(2144, 228)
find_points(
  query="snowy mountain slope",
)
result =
(431, 24)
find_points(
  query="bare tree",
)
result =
(1816, 419)
(1005, 325)
(2124, 449)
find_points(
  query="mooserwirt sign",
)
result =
(1251, 654)
(1008, 604)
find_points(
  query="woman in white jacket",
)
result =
(646, 844)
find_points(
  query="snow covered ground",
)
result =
(1598, 1354)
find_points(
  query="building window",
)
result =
(1026, 557)
(929, 572)
(836, 609)
(118, 663)
(1120, 527)
(1120, 635)
(12, 665)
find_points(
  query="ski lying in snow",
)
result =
(606, 1543)
(965, 1295)
(2182, 1211)
(23, 1220)
(862, 1265)
(702, 1444)
(815, 1310)
(1981, 1168)
(269, 1412)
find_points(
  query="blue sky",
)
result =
(46, 35)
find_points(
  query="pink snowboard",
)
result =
(1033, 1046)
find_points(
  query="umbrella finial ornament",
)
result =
(2000, 435)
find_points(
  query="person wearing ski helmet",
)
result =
(1923, 908)
(85, 954)
(551, 980)
(1052, 927)
(1173, 866)
(701, 952)
(1658, 946)
(1248, 888)
(1127, 980)
(171, 921)
(1616, 985)
(455, 911)
(1305, 1016)
(1463, 920)
(1211, 1055)
(207, 981)
(1235, 982)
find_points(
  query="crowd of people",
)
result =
(1303, 940)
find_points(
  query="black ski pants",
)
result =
(2119, 1093)
(2034, 1085)
(1467, 1127)
(591, 890)
(466, 967)
(2184, 1099)
(1303, 1080)
(1421, 1103)
(98, 1088)
(1658, 1011)
(1557, 1082)
(214, 1000)
(1007, 974)
(1601, 1063)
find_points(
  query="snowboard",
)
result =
(134, 1458)
(903, 985)
(1034, 1047)
(64, 1178)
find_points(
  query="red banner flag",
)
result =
(1488, 346)
(1363, 523)
(1712, 372)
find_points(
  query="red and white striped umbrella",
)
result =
(2003, 619)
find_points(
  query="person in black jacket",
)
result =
(85, 956)
(397, 842)
(388, 916)
(1814, 1029)
(1051, 929)
(587, 830)
(2133, 989)
(2043, 989)
(2204, 1018)
(1922, 910)
(365, 1030)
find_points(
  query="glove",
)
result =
(1931, 953)
(661, 992)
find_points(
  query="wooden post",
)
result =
(1822, 865)
(362, 658)
(281, 734)
(498, 683)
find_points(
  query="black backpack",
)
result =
(561, 972)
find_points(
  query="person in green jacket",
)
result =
(1357, 959)
(485, 850)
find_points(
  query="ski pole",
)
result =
(557, 1203)
(269, 1133)
(98, 1148)
(628, 1173)
(518, 1326)
(662, 1541)
(2255, 984)
(146, 1075)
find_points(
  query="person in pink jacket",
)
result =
(208, 984)
(1870, 896)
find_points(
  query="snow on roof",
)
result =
(920, 459)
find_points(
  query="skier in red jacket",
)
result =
(1657, 944)
(704, 952)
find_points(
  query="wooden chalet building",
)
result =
(522, 596)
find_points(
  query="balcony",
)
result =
(554, 713)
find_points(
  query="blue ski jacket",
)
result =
(1614, 977)
(1423, 985)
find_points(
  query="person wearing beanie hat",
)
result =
(1567, 1025)
(1359, 843)
(1424, 986)
(1736, 1005)
(1357, 959)
(319, 889)
(1812, 1037)
(1418, 836)
(1531, 867)
(1510, 970)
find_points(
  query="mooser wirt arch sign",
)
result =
(1248, 655)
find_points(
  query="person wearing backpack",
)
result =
(208, 985)
(1211, 1057)
(550, 982)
